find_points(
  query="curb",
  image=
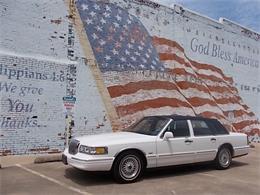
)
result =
(47, 158)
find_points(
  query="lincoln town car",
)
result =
(156, 141)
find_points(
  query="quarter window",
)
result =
(200, 128)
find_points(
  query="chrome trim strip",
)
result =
(241, 147)
(151, 156)
(175, 154)
(92, 160)
(206, 151)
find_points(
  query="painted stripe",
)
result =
(163, 48)
(154, 103)
(132, 87)
(64, 185)
(163, 41)
(112, 78)
(209, 108)
(142, 95)
(170, 64)
(245, 124)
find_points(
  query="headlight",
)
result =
(93, 150)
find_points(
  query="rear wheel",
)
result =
(224, 158)
(128, 167)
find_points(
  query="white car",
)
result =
(156, 141)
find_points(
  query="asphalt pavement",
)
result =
(243, 178)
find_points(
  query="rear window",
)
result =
(217, 127)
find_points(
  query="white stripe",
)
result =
(209, 108)
(210, 73)
(171, 64)
(143, 95)
(216, 84)
(170, 50)
(218, 95)
(112, 78)
(194, 92)
(53, 180)
(244, 117)
(230, 107)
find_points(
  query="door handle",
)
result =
(213, 139)
(188, 141)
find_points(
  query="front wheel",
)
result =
(223, 159)
(128, 167)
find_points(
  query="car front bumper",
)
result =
(88, 162)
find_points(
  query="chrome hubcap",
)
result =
(224, 158)
(129, 167)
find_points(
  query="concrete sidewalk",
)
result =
(7, 161)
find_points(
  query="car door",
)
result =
(179, 148)
(204, 140)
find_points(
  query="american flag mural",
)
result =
(151, 75)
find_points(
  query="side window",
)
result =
(200, 128)
(180, 128)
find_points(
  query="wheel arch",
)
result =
(140, 152)
(229, 146)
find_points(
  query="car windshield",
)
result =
(149, 125)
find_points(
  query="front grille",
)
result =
(73, 146)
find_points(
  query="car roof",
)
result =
(183, 117)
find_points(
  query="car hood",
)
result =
(114, 138)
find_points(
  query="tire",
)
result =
(128, 167)
(223, 159)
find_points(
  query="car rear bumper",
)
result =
(241, 151)
(88, 164)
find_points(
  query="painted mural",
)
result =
(147, 74)
(80, 67)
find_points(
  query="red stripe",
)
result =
(155, 103)
(184, 85)
(209, 114)
(180, 71)
(118, 90)
(163, 41)
(233, 100)
(245, 123)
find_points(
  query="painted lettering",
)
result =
(7, 87)
(18, 106)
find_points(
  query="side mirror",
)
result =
(167, 135)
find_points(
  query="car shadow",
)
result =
(86, 178)
(182, 170)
